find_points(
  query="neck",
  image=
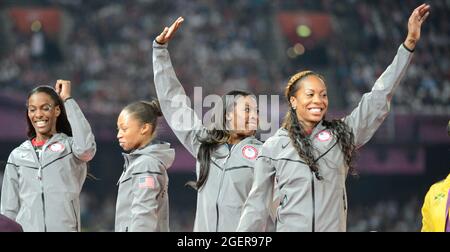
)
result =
(308, 127)
(40, 137)
(234, 138)
(145, 143)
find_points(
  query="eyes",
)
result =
(46, 108)
(324, 95)
(248, 110)
(122, 129)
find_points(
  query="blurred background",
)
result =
(104, 47)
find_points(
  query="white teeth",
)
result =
(315, 110)
(41, 123)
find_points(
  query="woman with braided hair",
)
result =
(310, 157)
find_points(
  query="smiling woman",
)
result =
(225, 151)
(46, 114)
(45, 174)
(310, 157)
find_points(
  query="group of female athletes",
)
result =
(295, 181)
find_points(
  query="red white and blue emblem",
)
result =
(249, 152)
(324, 136)
(146, 182)
(56, 147)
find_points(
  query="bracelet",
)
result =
(68, 98)
(159, 43)
(409, 50)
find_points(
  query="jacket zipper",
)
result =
(220, 187)
(43, 208)
(75, 213)
(343, 196)
(313, 203)
(41, 183)
(218, 195)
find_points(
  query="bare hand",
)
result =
(63, 89)
(415, 22)
(168, 32)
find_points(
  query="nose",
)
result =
(38, 113)
(253, 115)
(119, 135)
(317, 99)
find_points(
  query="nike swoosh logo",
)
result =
(284, 146)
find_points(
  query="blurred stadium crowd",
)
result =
(106, 50)
(104, 47)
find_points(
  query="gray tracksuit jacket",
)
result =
(42, 193)
(142, 201)
(220, 200)
(308, 204)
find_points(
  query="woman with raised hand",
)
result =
(225, 153)
(45, 174)
(310, 157)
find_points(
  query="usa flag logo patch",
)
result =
(324, 136)
(146, 182)
(56, 147)
(249, 152)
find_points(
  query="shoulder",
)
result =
(281, 134)
(147, 163)
(23, 147)
(274, 144)
(438, 186)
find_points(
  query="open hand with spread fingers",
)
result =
(168, 32)
(415, 22)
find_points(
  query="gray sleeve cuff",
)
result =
(158, 45)
(409, 50)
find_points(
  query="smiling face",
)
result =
(310, 101)
(243, 120)
(43, 114)
(132, 133)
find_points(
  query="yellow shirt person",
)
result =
(435, 210)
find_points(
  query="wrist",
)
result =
(67, 98)
(410, 43)
(159, 42)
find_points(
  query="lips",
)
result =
(41, 123)
(315, 110)
(252, 125)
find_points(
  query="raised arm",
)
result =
(83, 145)
(175, 105)
(375, 105)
